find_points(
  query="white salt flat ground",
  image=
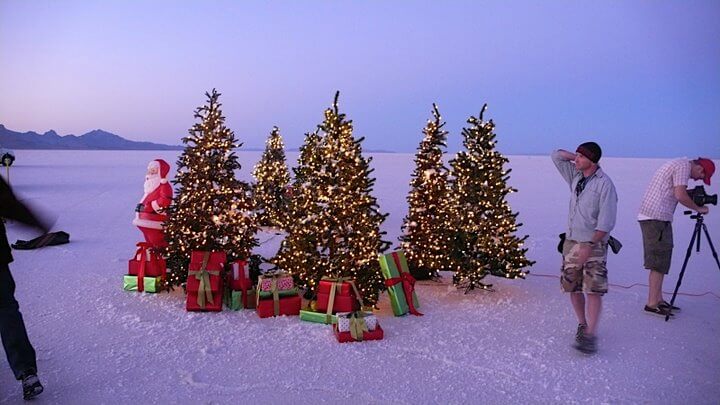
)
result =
(97, 344)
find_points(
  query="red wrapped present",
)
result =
(337, 295)
(344, 337)
(280, 306)
(239, 276)
(204, 284)
(216, 260)
(146, 263)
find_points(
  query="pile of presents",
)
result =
(146, 270)
(212, 282)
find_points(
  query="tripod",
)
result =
(699, 224)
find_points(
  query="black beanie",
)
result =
(590, 150)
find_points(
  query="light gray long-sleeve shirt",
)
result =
(596, 206)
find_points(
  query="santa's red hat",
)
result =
(163, 168)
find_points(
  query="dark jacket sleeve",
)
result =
(11, 208)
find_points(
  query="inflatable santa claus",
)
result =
(151, 212)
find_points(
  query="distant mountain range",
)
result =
(97, 139)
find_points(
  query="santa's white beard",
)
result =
(151, 183)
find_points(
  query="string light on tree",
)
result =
(485, 241)
(427, 229)
(335, 221)
(212, 210)
(271, 188)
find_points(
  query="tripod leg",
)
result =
(695, 235)
(712, 247)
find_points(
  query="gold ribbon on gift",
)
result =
(331, 302)
(276, 296)
(357, 325)
(203, 276)
(337, 283)
(273, 289)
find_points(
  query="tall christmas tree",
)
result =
(485, 241)
(271, 188)
(212, 210)
(427, 227)
(336, 229)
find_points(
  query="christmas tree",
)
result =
(427, 227)
(212, 209)
(485, 241)
(336, 229)
(271, 189)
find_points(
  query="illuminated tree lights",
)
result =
(334, 226)
(484, 242)
(212, 210)
(271, 189)
(427, 228)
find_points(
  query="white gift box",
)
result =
(343, 321)
(236, 271)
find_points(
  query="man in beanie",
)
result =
(155, 200)
(667, 187)
(593, 207)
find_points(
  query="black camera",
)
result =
(701, 198)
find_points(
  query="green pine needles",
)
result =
(272, 180)
(212, 210)
(428, 226)
(335, 220)
(485, 241)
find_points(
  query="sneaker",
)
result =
(587, 345)
(659, 310)
(31, 386)
(665, 304)
(580, 332)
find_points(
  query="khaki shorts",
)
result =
(657, 245)
(590, 278)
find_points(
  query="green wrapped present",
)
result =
(317, 317)
(149, 284)
(400, 283)
(235, 300)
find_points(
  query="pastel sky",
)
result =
(642, 78)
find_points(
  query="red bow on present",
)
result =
(142, 253)
(408, 284)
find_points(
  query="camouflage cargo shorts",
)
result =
(590, 278)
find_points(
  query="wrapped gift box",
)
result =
(204, 283)
(344, 337)
(281, 293)
(215, 261)
(401, 285)
(283, 306)
(345, 296)
(239, 276)
(283, 281)
(343, 320)
(236, 300)
(148, 284)
(317, 317)
(146, 262)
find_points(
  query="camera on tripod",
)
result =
(700, 197)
